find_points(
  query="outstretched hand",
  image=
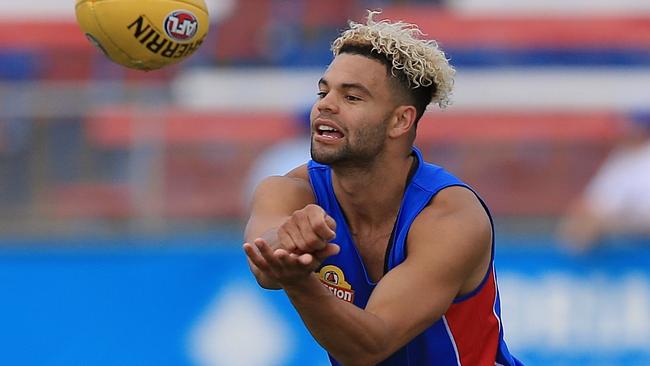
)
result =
(284, 267)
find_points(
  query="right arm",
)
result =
(279, 211)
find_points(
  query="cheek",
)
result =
(313, 113)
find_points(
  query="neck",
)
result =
(371, 196)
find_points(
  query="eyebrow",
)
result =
(357, 86)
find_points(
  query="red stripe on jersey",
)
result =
(475, 326)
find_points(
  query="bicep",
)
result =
(275, 199)
(444, 253)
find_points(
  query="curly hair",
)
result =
(421, 61)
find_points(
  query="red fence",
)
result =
(523, 163)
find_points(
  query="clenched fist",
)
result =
(307, 230)
(300, 245)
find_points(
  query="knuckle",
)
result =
(313, 207)
(316, 243)
(322, 227)
(320, 223)
(312, 244)
(284, 227)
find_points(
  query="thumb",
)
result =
(330, 250)
(331, 223)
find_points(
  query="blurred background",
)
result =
(123, 193)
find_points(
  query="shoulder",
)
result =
(290, 190)
(455, 220)
(457, 202)
(300, 172)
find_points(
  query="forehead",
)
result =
(351, 68)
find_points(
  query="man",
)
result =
(387, 259)
(616, 201)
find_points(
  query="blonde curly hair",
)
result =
(422, 62)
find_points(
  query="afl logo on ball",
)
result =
(181, 25)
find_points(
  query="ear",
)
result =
(403, 120)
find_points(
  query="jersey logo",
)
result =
(333, 278)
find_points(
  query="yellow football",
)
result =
(144, 34)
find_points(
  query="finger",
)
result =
(320, 226)
(313, 241)
(306, 259)
(330, 250)
(286, 259)
(292, 230)
(255, 257)
(295, 261)
(331, 223)
(266, 252)
(286, 241)
(313, 260)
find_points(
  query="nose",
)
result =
(327, 103)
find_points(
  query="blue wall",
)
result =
(189, 300)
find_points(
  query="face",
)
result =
(350, 119)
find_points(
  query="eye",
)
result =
(352, 98)
(321, 94)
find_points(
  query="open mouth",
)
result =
(328, 132)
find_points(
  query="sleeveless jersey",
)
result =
(470, 332)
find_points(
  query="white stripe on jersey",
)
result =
(453, 341)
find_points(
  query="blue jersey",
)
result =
(469, 333)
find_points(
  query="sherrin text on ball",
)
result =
(144, 34)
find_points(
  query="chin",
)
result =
(322, 157)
